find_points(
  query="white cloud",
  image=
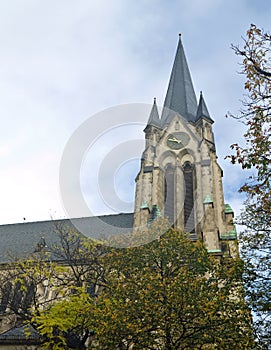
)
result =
(63, 61)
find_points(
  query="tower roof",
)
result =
(202, 109)
(180, 97)
(154, 116)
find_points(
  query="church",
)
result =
(179, 179)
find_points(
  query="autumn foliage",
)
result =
(256, 155)
(166, 294)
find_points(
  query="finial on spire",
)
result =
(202, 109)
(154, 118)
(180, 34)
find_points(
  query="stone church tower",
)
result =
(180, 178)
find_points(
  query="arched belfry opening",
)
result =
(169, 192)
(189, 219)
(179, 189)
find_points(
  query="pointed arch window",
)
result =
(189, 220)
(5, 296)
(169, 192)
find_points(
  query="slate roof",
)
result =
(20, 335)
(202, 109)
(154, 116)
(19, 240)
(180, 97)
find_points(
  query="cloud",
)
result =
(61, 62)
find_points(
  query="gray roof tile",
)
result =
(20, 334)
(154, 116)
(20, 240)
(202, 109)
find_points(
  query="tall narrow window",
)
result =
(29, 296)
(169, 193)
(5, 296)
(189, 222)
(16, 301)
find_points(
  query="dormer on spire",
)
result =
(154, 119)
(180, 97)
(202, 111)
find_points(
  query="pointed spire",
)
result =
(180, 95)
(202, 109)
(154, 115)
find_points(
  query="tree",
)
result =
(167, 294)
(255, 250)
(170, 294)
(256, 114)
(256, 155)
(67, 323)
(24, 286)
(53, 273)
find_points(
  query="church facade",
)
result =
(180, 178)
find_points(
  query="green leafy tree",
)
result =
(256, 155)
(171, 294)
(256, 114)
(24, 286)
(67, 323)
(167, 294)
(53, 273)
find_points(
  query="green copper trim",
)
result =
(208, 199)
(156, 211)
(144, 205)
(229, 235)
(228, 209)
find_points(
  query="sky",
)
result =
(63, 62)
